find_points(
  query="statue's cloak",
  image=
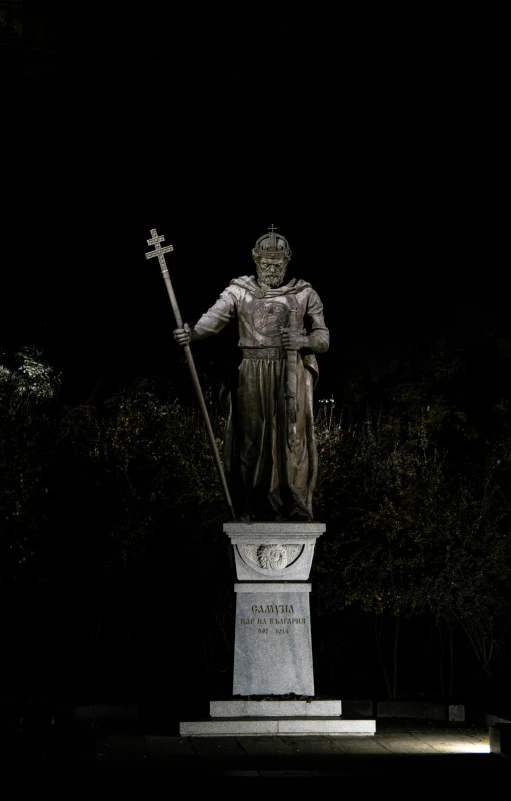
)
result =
(267, 478)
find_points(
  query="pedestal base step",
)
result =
(275, 709)
(252, 726)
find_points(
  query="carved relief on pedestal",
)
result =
(270, 557)
(268, 551)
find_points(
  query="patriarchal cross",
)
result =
(158, 250)
(160, 253)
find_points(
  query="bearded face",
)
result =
(271, 272)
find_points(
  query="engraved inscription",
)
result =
(269, 608)
(275, 623)
(272, 619)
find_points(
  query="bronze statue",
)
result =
(270, 452)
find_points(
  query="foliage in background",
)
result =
(28, 389)
(151, 499)
(153, 454)
(409, 533)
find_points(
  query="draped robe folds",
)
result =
(268, 480)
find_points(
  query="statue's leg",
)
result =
(298, 466)
(258, 387)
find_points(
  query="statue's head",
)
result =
(271, 255)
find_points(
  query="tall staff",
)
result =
(159, 252)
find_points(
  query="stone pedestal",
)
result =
(273, 639)
(273, 551)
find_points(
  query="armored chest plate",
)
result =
(269, 316)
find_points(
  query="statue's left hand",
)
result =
(293, 340)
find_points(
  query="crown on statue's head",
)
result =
(271, 244)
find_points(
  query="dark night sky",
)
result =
(383, 158)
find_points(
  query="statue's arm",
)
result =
(318, 339)
(216, 317)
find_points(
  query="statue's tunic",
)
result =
(268, 480)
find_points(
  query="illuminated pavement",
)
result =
(138, 766)
(396, 754)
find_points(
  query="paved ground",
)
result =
(150, 766)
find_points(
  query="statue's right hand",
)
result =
(183, 336)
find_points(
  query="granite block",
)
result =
(256, 529)
(244, 708)
(491, 720)
(323, 708)
(326, 726)
(298, 569)
(273, 646)
(500, 739)
(456, 712)
(308, 726)
(273, 587)
(272, 551)
(227, 727)
(228, 709)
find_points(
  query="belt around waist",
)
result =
(264, 353)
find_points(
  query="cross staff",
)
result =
(159, 253)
